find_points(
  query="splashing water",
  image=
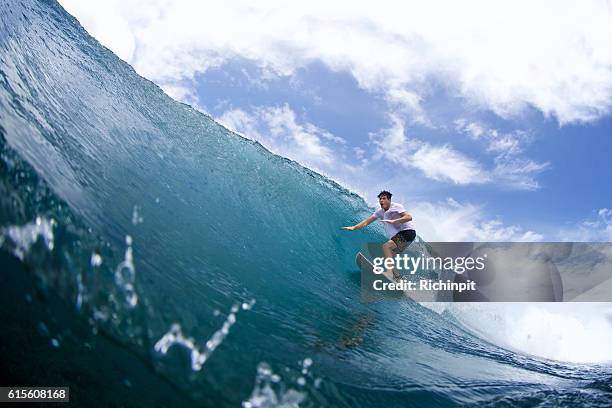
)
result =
(125, 274)
(24, 236)
(270, 392)
(199, 357)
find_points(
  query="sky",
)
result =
(488, 122)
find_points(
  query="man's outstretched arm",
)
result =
(362, 224)
(404, 217)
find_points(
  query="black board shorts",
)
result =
(403, 238)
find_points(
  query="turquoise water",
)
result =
(151, 257)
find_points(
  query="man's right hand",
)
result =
(349, 228)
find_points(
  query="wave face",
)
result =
(151, 257)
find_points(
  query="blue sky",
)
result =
(487, 122)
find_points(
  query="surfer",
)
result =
(398, 226)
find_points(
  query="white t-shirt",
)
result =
(393, 213)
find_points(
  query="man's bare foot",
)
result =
(397, 277)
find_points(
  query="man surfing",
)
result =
(398, 227)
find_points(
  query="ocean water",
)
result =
(151, 257)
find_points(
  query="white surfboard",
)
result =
(368, 276)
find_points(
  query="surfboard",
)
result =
(364, 262)
(368, 294)
(368, 277)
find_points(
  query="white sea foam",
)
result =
(136, 216)
(24, 236)
(125, 274)
(96, 260)
(572, 332)
(81, 291)
(271, 392)
(199, 356)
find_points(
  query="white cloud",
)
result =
(409, 102)
(451, 221)
(108, 21)
(474, 129)
(391, 142)
(446, 164)
(597, 228)
(496, 141)
(359, 153)
(443, 163)
(518, 173)
(554, 56)
(510, 168)
(504, 145)
(440, 163)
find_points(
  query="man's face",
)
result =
(384, 202)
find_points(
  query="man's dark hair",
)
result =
(385, 193)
